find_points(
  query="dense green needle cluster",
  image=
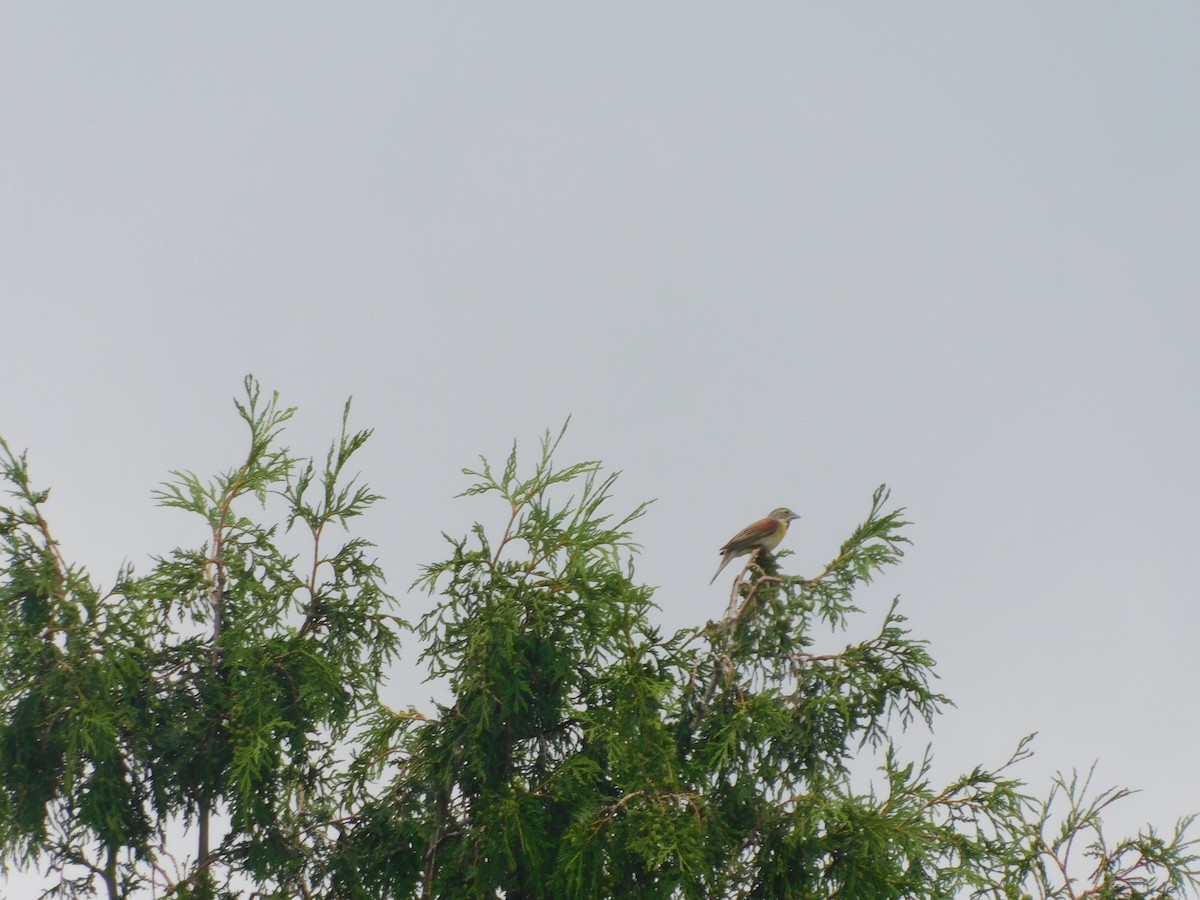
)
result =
(213, 728)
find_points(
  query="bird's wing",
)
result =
(752, 535)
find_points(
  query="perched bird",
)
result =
(765, 534)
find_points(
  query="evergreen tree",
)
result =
(224, 681)
(231, 695)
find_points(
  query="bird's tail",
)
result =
(725, 558)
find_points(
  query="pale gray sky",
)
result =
(769, 254)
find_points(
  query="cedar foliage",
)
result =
(213, 728)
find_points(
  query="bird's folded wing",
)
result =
(752, 535)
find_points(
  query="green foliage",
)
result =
(230, 693)
(584, 754)
(223, 681)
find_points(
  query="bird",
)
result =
(765, 534)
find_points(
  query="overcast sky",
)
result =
(762, 254)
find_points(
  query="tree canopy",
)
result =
(213, 727)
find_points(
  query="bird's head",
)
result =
(783, 514)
